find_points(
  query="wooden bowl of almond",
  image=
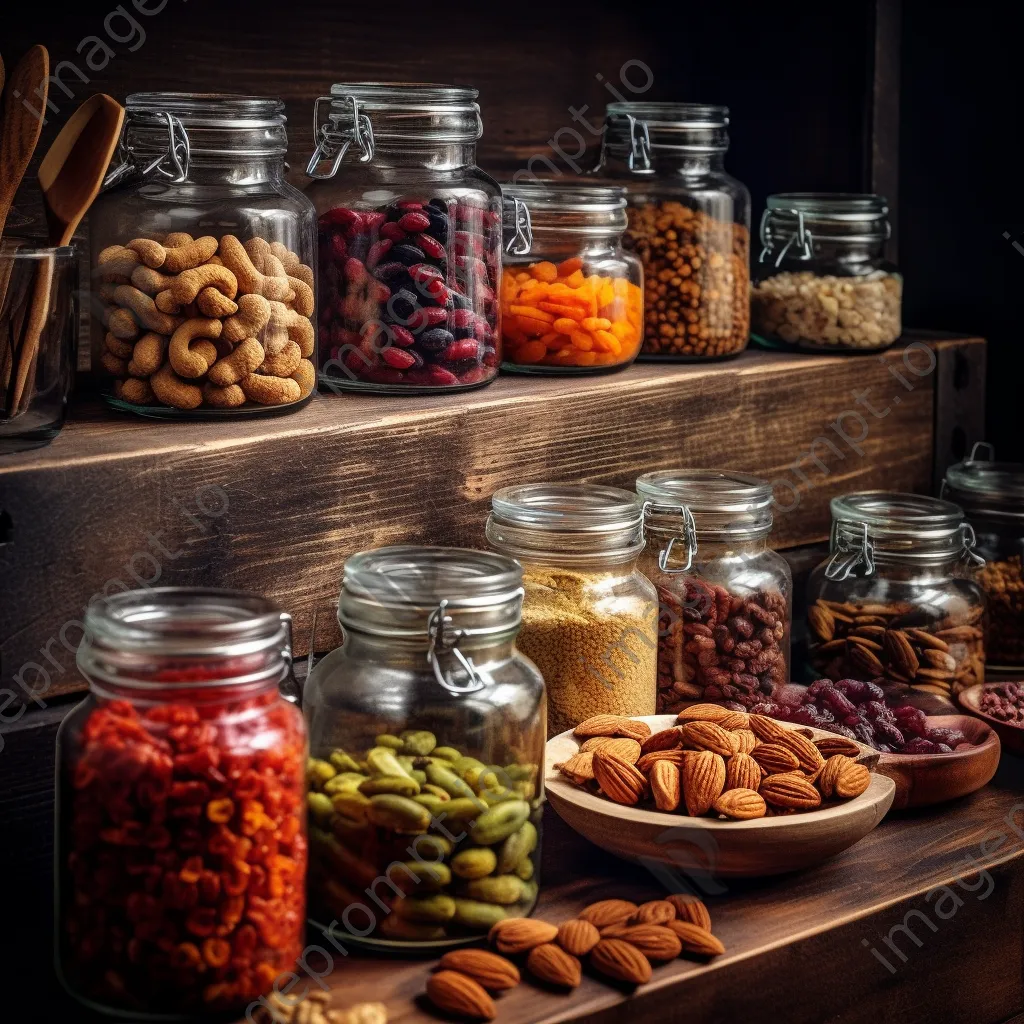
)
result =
(715, 791)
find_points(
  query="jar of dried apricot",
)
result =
(575, 304)
(689, 222)
(181, 826)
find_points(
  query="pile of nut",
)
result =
(804, 308)
(715, 645)
(898, 642)
(1003, 582)
(1005, 702)
(696, 280)
(194, 322)
(313, 1009)
(716, 761)
(619, 939)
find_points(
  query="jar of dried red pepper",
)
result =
(181, 837)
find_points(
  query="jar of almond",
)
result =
(689, 222)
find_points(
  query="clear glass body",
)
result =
(160, 336)
(38, 300)
(835, 291)
(575, 303)
(181, 840)
(425, 803)
(410, 248)
(689, 223)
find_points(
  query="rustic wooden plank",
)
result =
(960, 376)
(277, 505)
(883, 118)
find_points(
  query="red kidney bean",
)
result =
(467, 348)
(413, 222)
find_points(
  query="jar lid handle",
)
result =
(639, 144)
(521, 241)
(172, 163)
(689, 534)
(444, 639)
(333, 142)
(847, 556)
(802, 237)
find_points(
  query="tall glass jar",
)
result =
(992, 497)
(590, 617)
(896, 601)
(822, 282)
(726, 599)
(203, 262)
(427, 734)
(410, 239)
(689, 222)
(180, 818)
(575, 304)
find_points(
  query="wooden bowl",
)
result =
(729, 849)
(1011, 736)
(925, 779)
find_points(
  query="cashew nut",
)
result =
(305, 377)
(177, 238)
(117, 260)
(286, 324)
(190, 352)
(113, 365)
(303, 298)
(223, 398)
(252, 316)
(250, 280)
(145, 310)
(171, 390)
(137, 392)
(148, 355)
(189, 255)
(117, 346)
(283, 363)
(166, 303)
(293, 266)
(121, 324)
(258, 249)
(270, 390)
(212, 303)
(238, 365)
(151, 253)
(188, 284)
(151, 281)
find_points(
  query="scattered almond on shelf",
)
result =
(312, 1009)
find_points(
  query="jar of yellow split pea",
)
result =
(575, 304)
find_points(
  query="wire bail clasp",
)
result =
(444, 639)
(968, 540)
(847, 555)
(521, 241)
(803, 238)
(172, 163)
(333, 141)
(639, 145)
(689, 534)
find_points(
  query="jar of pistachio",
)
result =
(590, 620)
(427, 735)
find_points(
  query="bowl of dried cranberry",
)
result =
(1000, 705)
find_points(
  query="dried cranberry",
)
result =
(340, 215)
(408, 204)
(377, 251)
(374, 220)
(427, 316)
(354, 271)
(414, 221)
(431, 247)
(338, 247)
(399, 358)
(392, 232)
(440, 376)
(465, 349)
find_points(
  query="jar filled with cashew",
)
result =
(203, 263)
(822, 282)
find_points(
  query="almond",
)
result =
(767, 730)
(647, 761)
(790, 791)
(927, 640)
(697, 940)
(667, 739)
(703, 781)
(455, 993)
(594, 743)
(901, 655)
(620, 746)
(612, 725)
(622, 961)
(740, 805)
(606, 912)
(665, 785)
(843, 777)
(618, 779)
(708, 736)
(492, 972)
(745, 741)
(742, 772)
(579, 768)
(862, 658)
(775, 757)
(703, 713)
(735, 720)
(821, 621)
(689, 908)
(518, 934)
(654, 912)
(655, 941)
(807, 753)
(832, 745)
(577, 936)
(552, 964)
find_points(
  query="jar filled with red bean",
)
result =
(181, 836)
(410, 239)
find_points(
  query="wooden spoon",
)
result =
(74, 166)
(27, 92)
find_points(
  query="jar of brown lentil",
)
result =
(590, 617)
(992, 497)
(689, 222)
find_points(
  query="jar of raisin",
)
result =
(898, 601)
(410, 239)
(992, 497)
(181, 836)
(575, 304)
(689, 222)
(427, 734)
(725, 597)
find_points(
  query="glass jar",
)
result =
(689, 222)
(410, 240)
(726, 599)
(992, 497)
(822, 282)
(427, 734)
(590, 618)
(180, 814)
(203, 262)
(575, 305)
(896, 601)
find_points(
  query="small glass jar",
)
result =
(427, 734)
(689, 222)
(575, 304)
(992, 497)
(203, 262)
(726, 598)
(410, 240)
(822, 282)
(590, 617)
(896, 601)
(180, 814)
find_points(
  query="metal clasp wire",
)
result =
(444, 639)
(522, 240)
(846, 557)
(639, 144)
(172, 164)
(803, 238)
(968, 538)
(689, 534)
(333, 142)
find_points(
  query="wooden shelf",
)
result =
(277, 505)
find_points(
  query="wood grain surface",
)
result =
(277, 505)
